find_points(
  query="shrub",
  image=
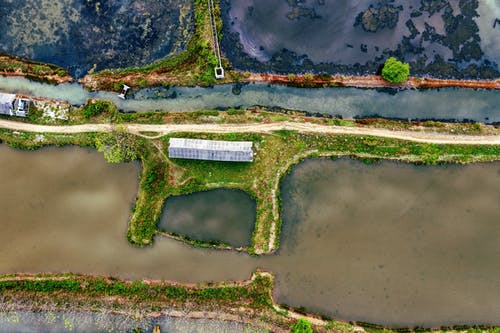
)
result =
(232, 112)
(34, 113)
(301, 326)
(308, 77)
(119, 146)
(95, 108)
(395, 71)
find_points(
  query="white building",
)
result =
(231, 151)
(12, 106)
(7, 104)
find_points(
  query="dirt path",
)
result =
(424, 137)
(373, 81)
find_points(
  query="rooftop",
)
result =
(7, 98)
(233, 151)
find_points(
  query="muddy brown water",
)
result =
(389, 243)
(392, 243)
(220, 215)
(66, 210)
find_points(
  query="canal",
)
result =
(450, 104)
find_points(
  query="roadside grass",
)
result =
(102, 111)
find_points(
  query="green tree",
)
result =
(395, 71)
(94, 108)
(301, 326)
(119, 146)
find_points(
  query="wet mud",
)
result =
(446, 39)
(83, 34)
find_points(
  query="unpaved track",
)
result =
(424, 137)
(373, 81)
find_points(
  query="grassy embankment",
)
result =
(248, 301)
(274, 155)
(193, 66)
(100, 111)
(15, 66)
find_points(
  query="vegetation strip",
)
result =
(15, 66)
(367, 81)
(247, 301)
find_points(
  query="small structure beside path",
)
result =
(12, 105)
(219, 70)
(123, 93)
(213, 150)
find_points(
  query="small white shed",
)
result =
(7, 103)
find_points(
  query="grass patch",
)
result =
(33, 70)
(254, 294)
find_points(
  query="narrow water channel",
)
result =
(388, 243)
(450, 104)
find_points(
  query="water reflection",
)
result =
(388, 243)
(78, 35)
(440, 38)
(72, 321)
(445, 104)
(221, 215)
(391, 242)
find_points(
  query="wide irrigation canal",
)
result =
(439, 104)
(389, 243)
